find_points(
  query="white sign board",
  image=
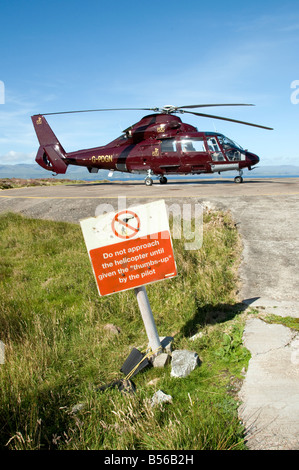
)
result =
(130, 248)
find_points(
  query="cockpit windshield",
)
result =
(228, 143)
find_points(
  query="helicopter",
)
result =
(160, 144)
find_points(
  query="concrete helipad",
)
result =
(174, 188)
(265, 211)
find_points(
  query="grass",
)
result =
(290, 322)
(57, 350)
(14, 183)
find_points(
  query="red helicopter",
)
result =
(159, 144)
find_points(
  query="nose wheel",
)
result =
(148, 180)
(239, 179)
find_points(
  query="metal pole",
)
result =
(147, 317)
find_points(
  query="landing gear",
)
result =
(163, 180)
(239, 179)
(148, 180)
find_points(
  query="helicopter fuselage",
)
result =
(159, 144)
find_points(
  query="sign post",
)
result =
(129, 249)
(147, 317)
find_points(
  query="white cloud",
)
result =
(14, 158)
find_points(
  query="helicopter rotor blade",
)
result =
(155, 109)
(230, 120)
(211, 105)
(170, 110)
(104, 109)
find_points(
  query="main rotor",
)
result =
(170, 109)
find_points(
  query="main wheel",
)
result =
(148, 181)
(163, 180)
(238, 179)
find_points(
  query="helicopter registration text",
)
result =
(102, 159)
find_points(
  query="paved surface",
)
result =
(265, 212)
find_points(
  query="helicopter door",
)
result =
(169, 160)
(139, 158)
(193, 155)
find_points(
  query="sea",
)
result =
(33, 171)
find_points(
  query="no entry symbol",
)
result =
(125, 224)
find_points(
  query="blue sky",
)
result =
(68, 55)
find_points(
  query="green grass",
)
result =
(57, 350)
(15, 183)
(290, 322)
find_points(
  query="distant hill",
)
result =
(35, 171)
(26, 170)
(276, 170)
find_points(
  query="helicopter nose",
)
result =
(254, 159)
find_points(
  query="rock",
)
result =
(183, 362)
(161, 360)
(196, 336)
(115, 330)
(160, 397)
(77, 408)
(153, 382)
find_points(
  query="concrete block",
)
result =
(161, 360)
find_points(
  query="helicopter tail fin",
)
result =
(51, 155)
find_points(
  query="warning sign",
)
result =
(130, 248)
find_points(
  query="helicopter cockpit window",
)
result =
(192, 145)
(228, 143)
(168, 145)
(234, 155)
(233, 151)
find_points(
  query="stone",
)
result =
(196, 336)
(77, 408)
(183, 362)
(153, 382)
(115, 330)
(160, 397)
(161, 360)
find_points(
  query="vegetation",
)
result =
(58, 351)
(290, 322)
(14, 183)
